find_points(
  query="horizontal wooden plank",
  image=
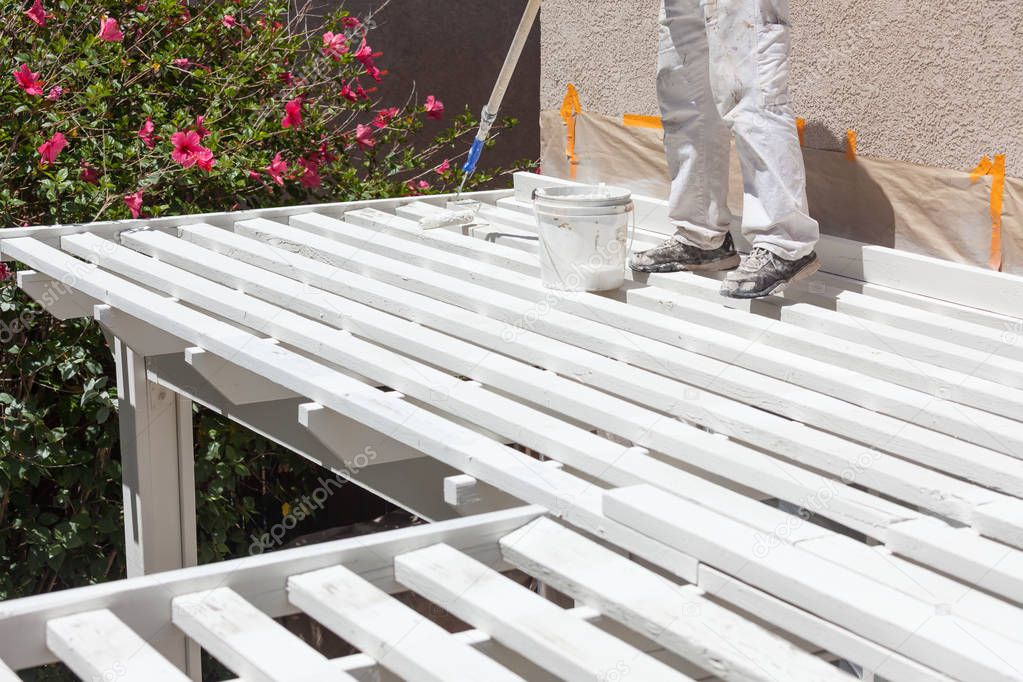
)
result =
(885, 615)
(394, 635)
(523, 620)
(679, 618)
(97, 645)
(248, 641)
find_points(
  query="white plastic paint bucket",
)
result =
(583, 236)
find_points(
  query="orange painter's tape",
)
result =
(801, 131)
(637, 121)
(997, 202)
(570, 107)
(850, 147)
(983, 168)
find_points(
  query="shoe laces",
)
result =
(758, 257)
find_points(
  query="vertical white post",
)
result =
(158, 483)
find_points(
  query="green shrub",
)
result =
(116, 108)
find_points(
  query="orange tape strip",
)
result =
(569, 108)
(637, 121)
(997, 199)
(850, 148)
(983, 168)
(801, 130)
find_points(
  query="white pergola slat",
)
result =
(657, 420)
(523, 620)
(397, 637)
(96, 645)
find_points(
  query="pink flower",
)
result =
(134, 203)
(89, 174)
(182, 62)
(4, 272)
(373, 72)
(28, 80)
(253, 175)
(48, 150)
(384, 117)
(311, 177)
(292, 114)
(334, 45)
(287, 78)
(364, 54)
(200, 129)
(37, 14)
(434, 108)
(188, 152)
(109, 31)
(351, 22)
(277, 168)
(146, 133)
(423, 185)
(55, 92)
(364, 136)
(443, 167)
(228, 21)
(348, 93)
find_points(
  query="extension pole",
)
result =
(489, 115)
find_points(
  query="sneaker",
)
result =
(763, 273)
(674, 256)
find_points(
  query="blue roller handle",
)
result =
(474, 156)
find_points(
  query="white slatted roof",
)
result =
(886, 397)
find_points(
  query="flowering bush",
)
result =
(114, 109)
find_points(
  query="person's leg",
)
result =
(749, 49)
(696, 142)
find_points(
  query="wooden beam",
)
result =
(142, 603)
(57, 298)
(97, 645)
(523, 620)
(143, 339)
(238, 385)
(394, 635)
(248, 641)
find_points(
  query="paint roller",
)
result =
(464, 216)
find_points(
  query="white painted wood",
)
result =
(585, 457)
(1004, 343)
(852, 462)
(57, 298)
(907, 371)
(526, 381)
(238, 385)
(679, 618)
(991, 566)
(143, 603)
(909, 441)
(394, 635)
(351, 441)
(143, 339)
(826, 386)
(7, 675)
(1001, 520)
(461, 490)
(890, 664)
(522, 620)
(97, 645)
(516, 473)
(880, 613)
(157, 481)
(247, 640)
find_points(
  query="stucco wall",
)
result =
(935, 83)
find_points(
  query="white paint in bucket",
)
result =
(583, 236)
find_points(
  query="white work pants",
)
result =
(723, 69)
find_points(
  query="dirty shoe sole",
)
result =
(729, 263)
(804, 272)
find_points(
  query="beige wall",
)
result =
(934, 83)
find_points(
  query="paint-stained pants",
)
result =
(722, 70)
